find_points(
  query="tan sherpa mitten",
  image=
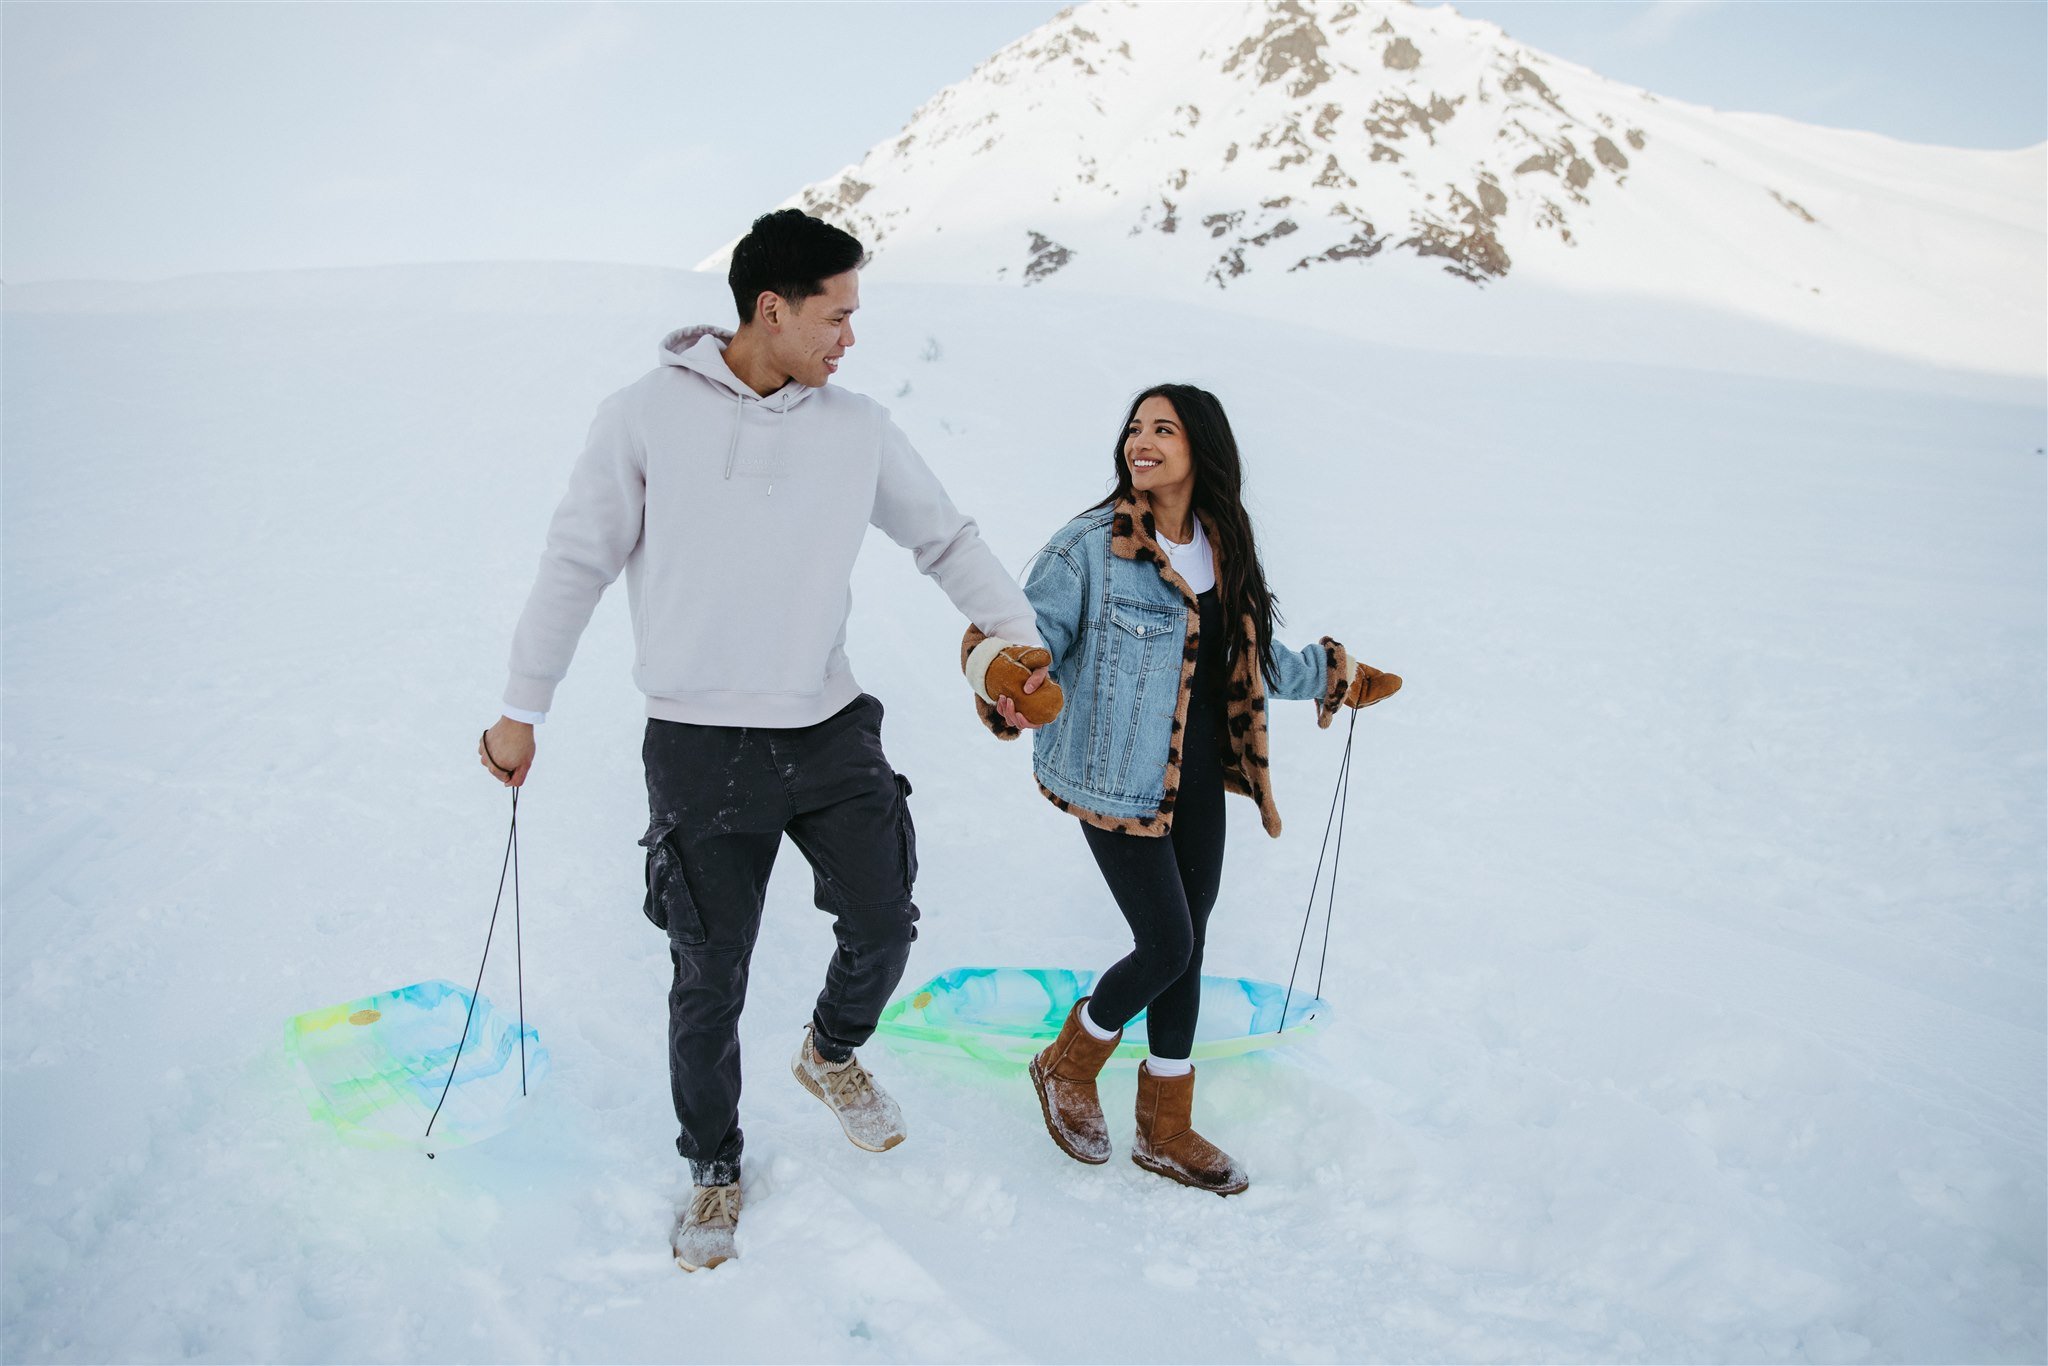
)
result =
(1002, 673)
(1369, 685)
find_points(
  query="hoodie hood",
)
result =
(702, 349)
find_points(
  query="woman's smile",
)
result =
(1156, 448)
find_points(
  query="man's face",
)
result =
(816, 333)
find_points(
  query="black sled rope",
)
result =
(1340, 804)
(511, 863)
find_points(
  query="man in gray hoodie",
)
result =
(734, 487)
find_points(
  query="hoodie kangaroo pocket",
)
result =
(711, 628)
(669, 905)
(782, 664)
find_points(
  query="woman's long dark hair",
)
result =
(1219, 492)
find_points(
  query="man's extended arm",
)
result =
(594, 530)
(912, 509)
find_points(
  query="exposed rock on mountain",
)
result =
(1322, 95)
(1047, 256)
(1213, 148)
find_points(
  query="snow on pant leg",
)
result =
(715, 813)
(852, 823)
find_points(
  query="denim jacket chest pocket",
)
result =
(1142, 636)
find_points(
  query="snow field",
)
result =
(1688, 963)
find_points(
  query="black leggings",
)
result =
(1166, 886)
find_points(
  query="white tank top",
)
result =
(1194, 562)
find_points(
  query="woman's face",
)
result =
(1156, 450)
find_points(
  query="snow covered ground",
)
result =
(1688, 964)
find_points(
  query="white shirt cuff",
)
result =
(978, 661)
(531, 718)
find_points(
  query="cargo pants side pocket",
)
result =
(669, 905)
(906, 834)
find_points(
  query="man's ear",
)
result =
(771, 309)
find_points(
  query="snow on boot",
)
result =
(703, 1233)
(1064, 1075)
(870, 1118)
(1168, 1144)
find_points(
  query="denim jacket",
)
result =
(1123, 628)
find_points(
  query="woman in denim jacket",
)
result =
(1158, 627)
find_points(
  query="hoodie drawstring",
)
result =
(739, 416)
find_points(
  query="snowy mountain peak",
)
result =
(1323, 124)
(1155, 148)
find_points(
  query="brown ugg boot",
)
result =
(1167, 1143)
(1064, 1075)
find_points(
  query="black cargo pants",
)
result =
(719, 800)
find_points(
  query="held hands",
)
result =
(1048, 706)
(506, 749)
(1015, 680)
(1370, 685)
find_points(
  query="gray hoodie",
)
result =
(737, 519)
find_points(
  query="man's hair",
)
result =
(792, 254)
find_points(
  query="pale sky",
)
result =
(144, 141)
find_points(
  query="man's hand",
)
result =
(507, 751)
(1008, 709)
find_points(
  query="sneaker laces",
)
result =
(849, 1084)
(715, 1206)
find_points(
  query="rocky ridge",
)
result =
(1336, 106)
(1204, 149)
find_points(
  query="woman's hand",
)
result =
(1370, 685)
(1008, 709)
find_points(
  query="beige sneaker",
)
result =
(871, 1119)
(703, 1233)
